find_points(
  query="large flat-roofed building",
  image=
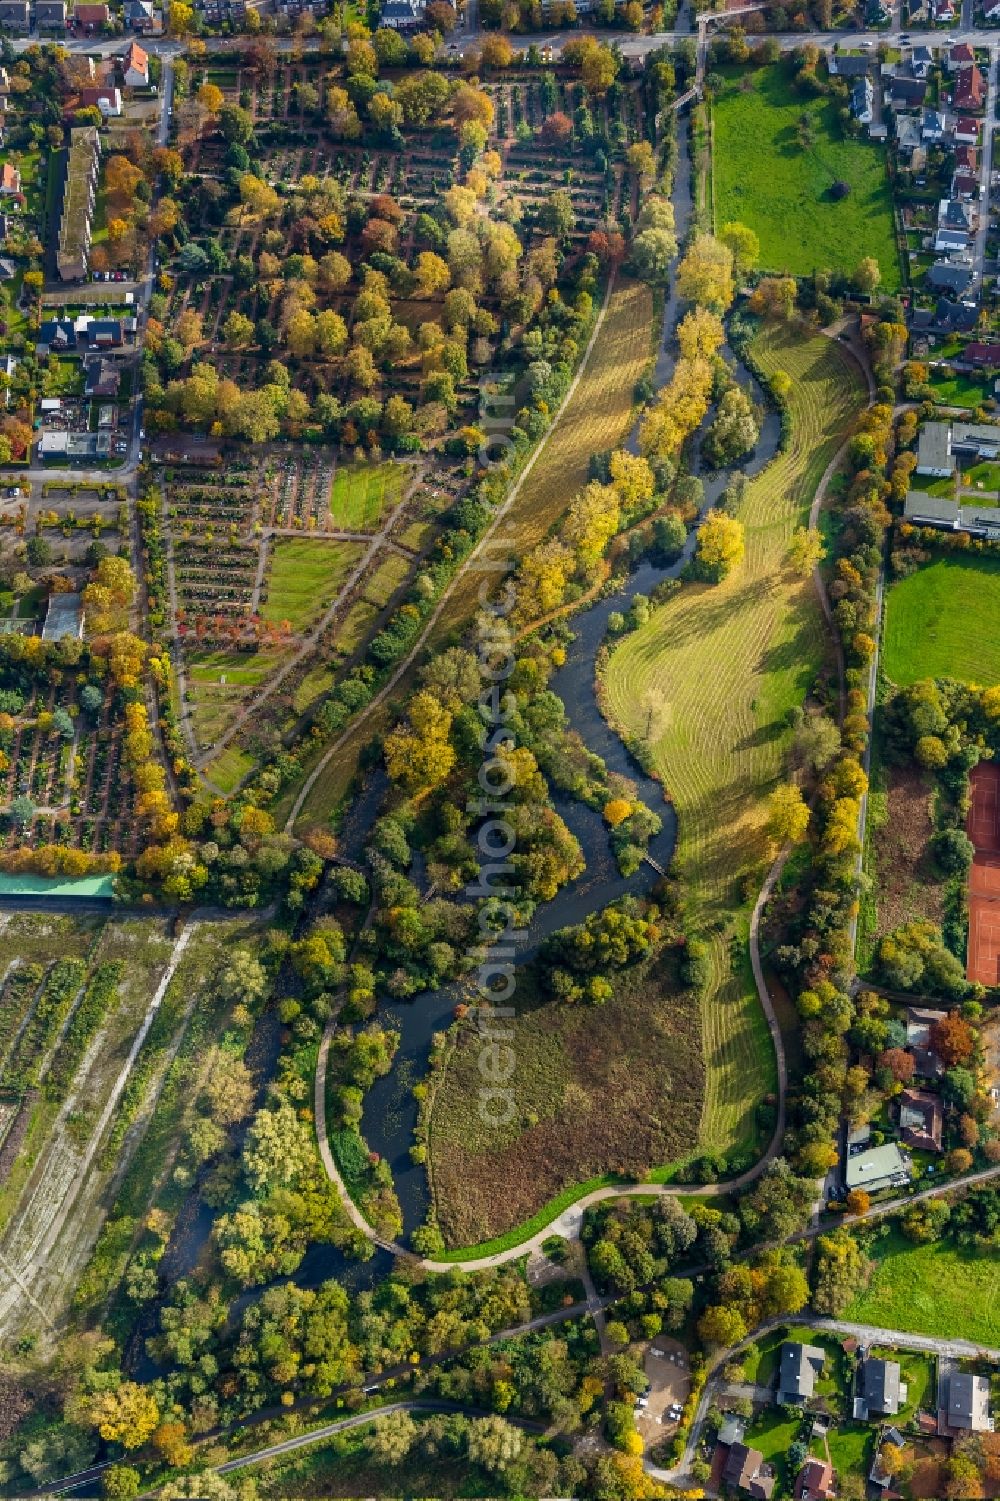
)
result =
(878, 1167)
(967, 515)
(941, 444)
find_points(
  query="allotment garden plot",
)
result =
(279, 569)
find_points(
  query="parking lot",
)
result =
(669, 1378)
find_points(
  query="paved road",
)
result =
(985, 168)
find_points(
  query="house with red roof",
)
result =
(135, 67)
(970, 89)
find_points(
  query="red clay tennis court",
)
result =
(983, 827)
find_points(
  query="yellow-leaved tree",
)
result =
(787, 814)
(720, 546)
(421, 756)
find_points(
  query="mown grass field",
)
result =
(724, 664)
(937, 1289)
(764, 178)
(610, 1088)
(306, 575)
(598, 416)
(361, 493)
(944, 621)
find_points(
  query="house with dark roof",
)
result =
(15, 15)
(950, 276)
(949, 241)
(863, 100)
(402, 15)
(960, 56)
(849, 65)
(798, 1369)
(55, 335)
(921, 61)
(970, 89)
(983, 442)
(102, 377)
(954, 215)
(141, 17)
(746, 1471)
(921, 1120)
(963, 1401)
(907, 93)
(50, 15)
(966, 131)
(814, 1481)
(933, 125)
(966, 159)
(879, 1389)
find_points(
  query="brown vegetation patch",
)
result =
(909, 886)
(595, 1089)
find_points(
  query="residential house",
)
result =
(107, 99)
(955, 215)
(933, 125)
(941, 11)
(55, 336)
(60, 446)
(880, 1390)
(965, 187)
(135, 67)
(50, 15)
(982, 356)
(8, 368)
(907, 93)
(79, 198)
(992, 10)
(951, 242)
(90, 18)
(746, 1471)
(966, 131)
(947, 317)
(104, 333)
(8, 268)
(141, 17)
(876, 1168)
(863, 101)
(102, 377)
(981, 442)
(10, 180)
(966, 159)
(402, 15)
(849, 65)
(947, 276)
(814, 1481)
(962, 55)
(798, 1369)
(15, 15)
(921, 1120)
(921, 61)
(970, 89)
(963, 1401)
